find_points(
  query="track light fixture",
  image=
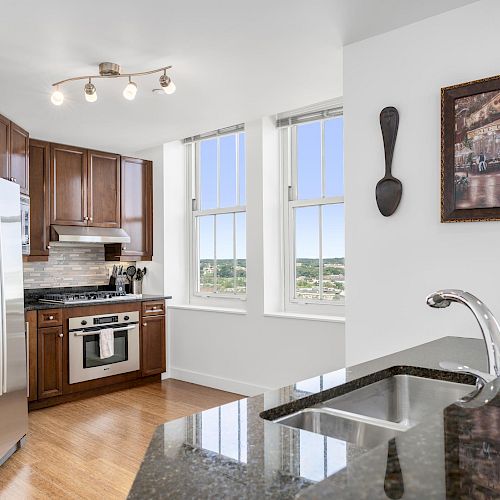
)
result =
(112, 70)
(90, 92)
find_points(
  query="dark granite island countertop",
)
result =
(232, 452)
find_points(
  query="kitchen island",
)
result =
(233, 452)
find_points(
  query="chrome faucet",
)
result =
(488, 325)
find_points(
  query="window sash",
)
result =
(194, 164)
(290, 167)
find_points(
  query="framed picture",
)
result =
(470, 151)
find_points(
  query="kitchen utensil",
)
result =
(389, 189)
(138, 275)
(131, 271)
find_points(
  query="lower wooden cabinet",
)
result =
(153, 355)
(31, 354)
(50, 362)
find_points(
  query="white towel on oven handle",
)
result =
(106, 343)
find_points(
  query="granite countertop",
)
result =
(31, 297)
(232, 452)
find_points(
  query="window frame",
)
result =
(288, 154)
(194, 200)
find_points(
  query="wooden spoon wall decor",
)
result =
(389, 189)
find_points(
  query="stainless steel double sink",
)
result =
(375, 413)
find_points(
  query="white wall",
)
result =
(393, 263)
(251, 348)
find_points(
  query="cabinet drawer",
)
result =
(153, 308)
(50, 317)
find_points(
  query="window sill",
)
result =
(224, 310)
(308, 317)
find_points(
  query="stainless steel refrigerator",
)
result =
(13, 397)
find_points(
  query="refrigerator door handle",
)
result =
(27, 359)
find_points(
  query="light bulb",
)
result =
(167, 84)
(90, 92)
(57, 97)
(130, 90)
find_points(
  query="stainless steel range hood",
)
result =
(81, 234)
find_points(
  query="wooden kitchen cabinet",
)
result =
(14, 153)
(68, 185)
(4, 147)
(19, 157)
(104, 189)
(39, 174)
(136, 211)
(153, 337)
(50, 362)
(31, 354)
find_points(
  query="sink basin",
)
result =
(402, 399)
(374, 413)
(360, 433)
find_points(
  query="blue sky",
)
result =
(309, 186)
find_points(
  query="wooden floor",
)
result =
(92, 448)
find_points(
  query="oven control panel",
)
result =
(103, 319)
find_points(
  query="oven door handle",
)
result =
(82, 333)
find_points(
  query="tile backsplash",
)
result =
(69, 265)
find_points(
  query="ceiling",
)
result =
(233, 61)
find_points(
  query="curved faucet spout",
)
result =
(487, 322)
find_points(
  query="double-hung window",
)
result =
(312, 154)
(216, 162)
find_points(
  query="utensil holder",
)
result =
(137, 287)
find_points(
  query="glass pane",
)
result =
(333, 252)
(208, 173)
(241, 253)
(243, 169)
(225, 253)
(334, 157)
(307, 253)
(206, 253)
(336, 455)
(227, 152)
(309, 160)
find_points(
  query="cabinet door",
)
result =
(39, 198)
(31, 355)
(4, 148)
(68, 185)
(50, 362)
(137, 207)
(19, 157)
(153, 345)
(104, 189)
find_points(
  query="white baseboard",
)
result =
(224, 384)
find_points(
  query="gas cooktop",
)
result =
(82, 298)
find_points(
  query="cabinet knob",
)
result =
(61, 335)
(85, 218)
(124, 247)
(51, 318)
(144, 324)
(48, 247)
(91, 219)
(15, 180)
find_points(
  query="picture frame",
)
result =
(470, 151)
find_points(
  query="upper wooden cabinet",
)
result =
(39, 173)
(84, 187)
(4, 148)
(136, 211)
(19, 157)
(14, 153)
(68, 185)
(104, 189)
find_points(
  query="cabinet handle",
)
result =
(144, 324)
(61, 335)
